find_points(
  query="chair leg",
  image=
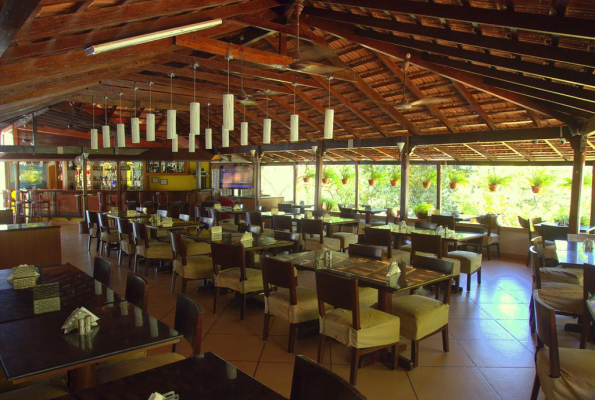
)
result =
(215, 300)
(414, 352)
(532, 315)
(445, 341)
(119, 257)
(100, 247)
(321, 343)
(354, 366)
(89, 242)
(243, 310)
(488, 247)
(173, 281)
(468, 282)
(97, 244)
(536, 385)
(107, 248)
(184, 285)
(479, 276)
(292, 337)
(498, 249)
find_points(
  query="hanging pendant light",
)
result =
(174, 144)
(228, 100)
(105, 128)
(121, 128)
(135, 122)
(294, 122)
(244, 130)
(94, 144)
(329, 115)
(150, 119)
(194, 109)
(266, 127)
(191, 143)
(224, 137)
(208, 131)
(171, 113)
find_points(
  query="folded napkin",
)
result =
(166, 396)
(72, 320)
(393, 269)
(247, 237)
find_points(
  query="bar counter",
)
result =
(36, 244)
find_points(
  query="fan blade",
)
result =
(247, 102)
(319, 69)
(427, 101)
(268, 93)
(315, 53)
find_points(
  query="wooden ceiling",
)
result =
(496, 64)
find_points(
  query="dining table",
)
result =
(329, 222)
(176, 225)
(237, 213)
(127, 214)
(583, 228)
(367, 211)
(573, 254)
(206, 377)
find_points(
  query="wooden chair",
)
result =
(562, 373)
(429, 245)
(527, 224)
(209, 222)
(312, 381)
(293, 211)
(383, 238)
(150, 251)
(254, 218)
(184, 217)
(313, 236)
(491, 223)
(347, 234)
(549, 270)
(285, 206)
(131, 200)
(292, 303)
(229, 271)
(470, 261)
(6, 217)
(93, 228)
(108, 239)
(364, 330)
(446, 221)
(137, 291)
(147, 200)
(188, 267)
(105, 201)
(282, 223)
(551, 233)
(102, 271)
(126, 237)
(188, 322)
(421, 316)
(162, 201)
(289, 236)
(40, 207)
(546, 249)
(178, 203)
(588, 293)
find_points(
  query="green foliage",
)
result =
(567, 182)
(309, 172)
(496, 179)
(430, 176)
(331, 204)
(540, 177)
(423, 208)
(395, 174)
(373, 173)
(347, 172)
(458, 176)
(328, 173)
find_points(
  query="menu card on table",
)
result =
(217, 233)
(217, 207)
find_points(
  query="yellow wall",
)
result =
(174, 182)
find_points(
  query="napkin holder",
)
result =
(237, 208)
(217, 207)
(166, 396)
(393, 269)
(72, 321)
(274, 211)
(46, 298)
(167, 222)
(247, 237)
(217, 233)
(324, 258)
(23, 277)
(308, 214)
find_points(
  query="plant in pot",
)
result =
(422, 210)
(309, 174)
(456, 178)
(539, 179)
(428, 177)
(327, 175)
(495, 180)
(567, 182)
(373, 175)
(328, 204)
(395, 176)
(346, 174)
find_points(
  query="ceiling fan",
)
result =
(404, 104)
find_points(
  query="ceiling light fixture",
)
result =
(224, 137)
(105, 128)
(150, 37)
(228, 113)
(94, 144)
(135, 122)
(329, 114)
(294, 122)
(194, 115)
(121, 128)
(150, 118)
(171, 113)
(208, 131)
(266, 127)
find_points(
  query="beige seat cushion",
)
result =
(550, 252)
(111, 237)
(577, 368)
(45, 391)
(562, 296)
(306, 309)
(229, 226)
(314, 244)
(93, 231)
(406, 247)
(562, 275)
(346, 238)
(159, 251)
(470, 261)
(111, 372)
(493, 238)
(377, 328)
(197, 248)
(127, 247)
(419, 315)
(197, 267)
(230, 278)
(456, 264)
(367, 296)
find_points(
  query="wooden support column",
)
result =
(295, 181)
(17, 197)
(318, 179)
(357, 185)
(578, 145)
(439, 188)
(592, 220)
(256, 160)
(405, 181)
(119, 186)
(84, 179)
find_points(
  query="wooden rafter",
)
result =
(13, 16)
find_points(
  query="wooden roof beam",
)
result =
(13, 16)
(483, 153)
(303, 117)
(517, 152)
(556, 150)
(468, 96)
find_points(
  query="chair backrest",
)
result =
(290, 236)
(312, 381)
(294, 211)
(209, 222)
(361, 250)
(394, 213)
(319, 213)
(282, 223)
(281, 274)
(588, 285)
(141, 209)
(284, 206)
(146, 196)
(524, 223)
(178, 246)
(137, 291)
(552, 232)
(438, 265)
(379, 237)
(339, 292)
(228, 256)
(162, 198)
(188, 321)
(536, 263)
(211, 213)
(162, 213)
(425, 225)
(312, 227)
(492, 223)
(447, 221)
(103, 223)
(140, 234)
(254, 218)
(102, 271)
(545, 317)
(426, 244)
(184, 217)
(125, 228)
(6, 217)
(579, 237)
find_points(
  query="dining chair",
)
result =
(162, 201)
(6, 217)
(284, 206)
(527, 224)
(291, 237)
(446, 221)
(383, 238)
(254, 218)
(492, 224)
(108, 239)
(208, 223)
(319, 213)
(425, 225)
(102, 271)
(588, 293)
(470, 261)
(363, 329)
(188, 267)
(126, 237)
(282, 223)
(137, 291)
(187, 321)
(292, 303)
(392, 215)
(431, 245)
(230, 272)
(347, 234)
(39, 205)
(184, 217)
(367, 296)
(145, 248)
(131, 200)
(293, 211)
(561, 372)
(549, 270)
(313, 238)
(312, 381)
(147, 200)
(178, 203)
(421, 316)
(93, 228)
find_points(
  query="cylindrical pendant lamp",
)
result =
(121, 135)
(244, 134)
(266, 131)
(191, 143)
(171, 124)
(294, 128)
(329, 117)
(135, 129)
(228, 116)
(106, 138)
(225, 138)
(195, 118)
(208, 138)
(150, 127)
(174, 144)
(94, 144)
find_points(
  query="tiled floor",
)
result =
(491, 348)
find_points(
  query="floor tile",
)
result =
(466, 311)
(234, 347)
(510, 383)
(432, 383)
(477, 329)
(507, 311)
(276, 376)
(497, 353)
(379, 382)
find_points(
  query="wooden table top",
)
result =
(206, 377)
(130, 214)
(259, 243)
(176, 224)
(24, 227)
(462, 217)
(456, 237)
(368, 271)
(584, 228)
(573, 253)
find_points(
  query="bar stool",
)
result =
(131, 200)
(147, 200)
(162, 200)
(105, 201)
(39, 207)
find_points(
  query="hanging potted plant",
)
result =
(309, 174)
(457, 177)
(346, 174)
(328, 204)
(495, 180)
(539, 179)
(373, 175)
(422, 210)
(327, 175)
(428, 177)
(395, 176)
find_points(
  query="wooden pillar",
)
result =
(439, 188)
(295, 181)
(592, 220)
(578, 145)
(257, 172)
(405, 181)
(84, 178)
(119, 186)
(357, 185)
(17, 197)
(198, 175)
(318, 179)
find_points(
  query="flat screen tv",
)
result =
(236, 176)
